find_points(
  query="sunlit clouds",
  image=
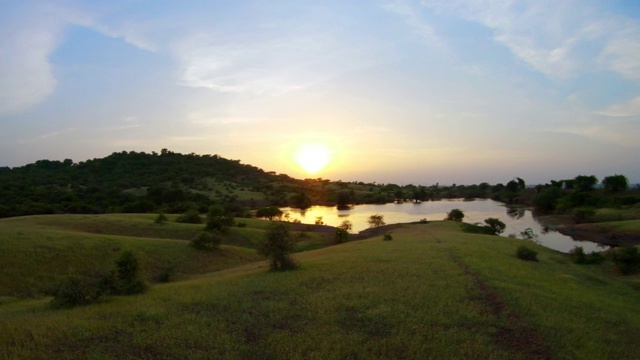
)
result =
(405, 91)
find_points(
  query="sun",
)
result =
(313, 157)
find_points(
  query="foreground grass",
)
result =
(432, 292)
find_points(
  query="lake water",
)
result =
(475, 211)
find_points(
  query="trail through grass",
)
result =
(432, 292)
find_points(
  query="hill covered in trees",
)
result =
(172, 182)
(138, 182)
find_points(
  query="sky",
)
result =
(419, 92)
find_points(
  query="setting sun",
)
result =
(313, 157)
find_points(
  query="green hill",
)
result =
(432, 292)
(37, 251)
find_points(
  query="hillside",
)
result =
(37, 251)
(138, 182)
(433, 291)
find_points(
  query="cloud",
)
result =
(619, 132)
(628, 108)
(24, 66)
(411, 15)
(558, 39)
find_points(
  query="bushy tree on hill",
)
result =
(277, 246)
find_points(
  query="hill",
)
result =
(433, 291)
(138, 182)
(37, 251)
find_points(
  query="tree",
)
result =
(376, 220)
(346, 225)
(585, 183)
(127, 276)
(455, 215)
(269, 212)
(342, 235)
(615, 183)
(207, 240)
(495, 225)
(277, 246)
(218, 220)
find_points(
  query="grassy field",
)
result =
(37, 251)
(432, 292)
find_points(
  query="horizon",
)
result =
(403, 92)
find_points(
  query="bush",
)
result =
(495, 226)
(527, 254)
(387, 236)
(342, 236)
(583, 215)
(455, 215)
(160, 219)
(376, 220)
(190, 217)
(218, 220)
(277, 246)
(77, 291)
(207, 240)
(579, 257)
(627, 259)
(126, 278)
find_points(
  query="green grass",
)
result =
(608, 214)
(433, 292)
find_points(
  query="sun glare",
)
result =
(313, 157)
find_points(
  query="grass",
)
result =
(432, 292)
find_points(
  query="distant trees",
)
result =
(615, 183)
(269, 212)
(585, 183)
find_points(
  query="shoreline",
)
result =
(565, 225)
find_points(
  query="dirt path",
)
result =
(513, 331)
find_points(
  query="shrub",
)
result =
(161, 218)
(190, 217)
(166, 274)
(77, 291)
(387, 236)
(583, 215)
(346, 225)
(376, 220)
(206, 240)
(627, 259)
(277, 246)
(579, 257)
(455, 215)
(342, 235)
(495, 226)
(126, 278)
(218, 220)
(527, 254)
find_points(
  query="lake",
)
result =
(517, 219)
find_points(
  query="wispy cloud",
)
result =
(49, 135)
(559, 39)
(412, 18)
(624, 109)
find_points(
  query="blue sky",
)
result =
(395, 91)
